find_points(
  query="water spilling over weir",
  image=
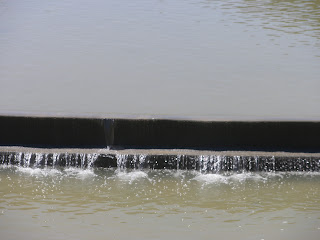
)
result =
(206, 146)
(158, 179)
(159, 120)
(203, 163)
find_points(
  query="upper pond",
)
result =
(232, 59)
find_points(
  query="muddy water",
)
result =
(233, 59)
(73, 203)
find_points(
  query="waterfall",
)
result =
(215, 163)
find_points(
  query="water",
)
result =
(74, 203)
(213, 162)
(233, 59)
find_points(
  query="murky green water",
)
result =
(232, 59)
(71, 203)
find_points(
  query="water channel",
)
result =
(191, 59)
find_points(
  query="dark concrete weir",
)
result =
(52, 132)
(230, 135)
(59, 132)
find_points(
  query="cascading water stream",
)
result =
(203, 163)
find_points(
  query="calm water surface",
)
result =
(73, 203)
(235, 59)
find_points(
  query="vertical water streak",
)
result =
(309, 164)
(54, 159)
(27, 159)
(91, 158)
(223, 164)
(235, 163)
(82, 160)
(45, 156)
(211, 164)
(250, 164)
(18, 158)
(10, 158)
(37, 161)
(199, 160)
(217, 163)
(203, 163)
(121, 160)
(273, 161)
(134, 161)
(257, 163)
(142, 160)
(178, 159)
(67, 157)
(299, 165)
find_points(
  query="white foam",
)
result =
(131, 176)
(39, 171)
(179, 174)
(301, 173)
(219, 178)
(79, 173)
(6, 166)
(211, 178)
(246, 176)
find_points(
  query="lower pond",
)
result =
(98, 203)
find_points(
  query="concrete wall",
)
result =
(52, 132)
(131, 133)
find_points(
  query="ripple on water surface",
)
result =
(181, 203)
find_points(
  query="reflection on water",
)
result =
(157, 204)
(199, 59)
(292, 17)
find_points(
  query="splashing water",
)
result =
(131, 176)
(202, 163)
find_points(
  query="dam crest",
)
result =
(205, 146)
